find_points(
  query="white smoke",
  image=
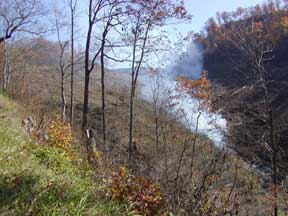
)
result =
(189, 63)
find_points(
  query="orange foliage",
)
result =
(142, 196)
(60, 134)
(197, 89)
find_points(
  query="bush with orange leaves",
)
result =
(142, 196)
(60, 134)
(199, 89)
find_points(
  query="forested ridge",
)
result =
(245, 52)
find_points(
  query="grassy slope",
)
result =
(37, 180)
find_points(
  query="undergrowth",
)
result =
(42, 180)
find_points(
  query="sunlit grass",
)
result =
(39, 180)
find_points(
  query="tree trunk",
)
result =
(156, 113)
(131, 112)
(275, 182)
(72, 70)
(5, 73)
(272, 140)
(157, 130)
(194, 143)
(274, 160)
(103, 94)
(6, 69)
(87, 76)
(131, 118)
(135, 73)
(86, 101)
(63, 98)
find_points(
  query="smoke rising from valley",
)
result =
(189, 64)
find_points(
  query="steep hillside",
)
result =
(191, 172)
(39, 180)
(232, 48)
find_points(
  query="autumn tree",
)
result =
(144, 18)
(200, 91)
(95, 15)
(72, 7)
(65, 64)
(111, 20)
(187, 182)
(159, 102)
(63, 67)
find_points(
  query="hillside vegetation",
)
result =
(245, 53)
(42, 180)
(218, 174)
(89, 144)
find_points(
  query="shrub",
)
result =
(142, 196)
(60, 134)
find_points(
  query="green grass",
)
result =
(39, 180)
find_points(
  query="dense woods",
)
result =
(144, 157)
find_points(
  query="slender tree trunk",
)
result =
(194, 144)
(87, 78)
(62, 47)
(156, 114)
(6, 69)
(165, 136)
(72, 69)
(131, 112)
(274, 160)
(135, 73)
(157, 131)
(275, 182)
(131, 118)
(86, 101)
(103, 94)
(63, 98)
(5, 73)
(272, 141)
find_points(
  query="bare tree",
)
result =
(111, 21)
(143, 18)
(20, 16)
(94, 16)
(63, 67)
(72, 6)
